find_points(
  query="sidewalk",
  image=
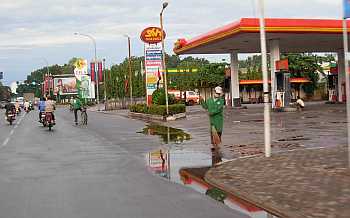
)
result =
(296, 184)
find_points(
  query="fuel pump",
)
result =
(332, 84)
(283, 93)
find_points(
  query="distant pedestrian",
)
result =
(215, 108)
(300, 104)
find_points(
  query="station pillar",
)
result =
(236, 101)
(341, 76)
(274, 56)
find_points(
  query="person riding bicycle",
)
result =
(77, 106)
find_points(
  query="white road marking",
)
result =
(12, 132)
(6, 141)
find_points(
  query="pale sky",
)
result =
(31, 30)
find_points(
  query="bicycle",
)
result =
(84, 116)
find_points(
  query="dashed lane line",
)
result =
(12, 132)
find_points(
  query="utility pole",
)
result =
(129, 63)
(267, 124)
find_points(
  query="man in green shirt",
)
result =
(77, 105)
(215, 108)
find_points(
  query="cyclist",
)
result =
(77, 106)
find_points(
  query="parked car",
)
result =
(192, 97)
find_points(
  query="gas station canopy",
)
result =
(294, 36)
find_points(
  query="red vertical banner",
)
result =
(100, 72)
(45, 86)
(93, 73)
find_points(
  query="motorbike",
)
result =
(42, 118)
(27, 110)
(49, 120)
(10, 117)
(18, 111)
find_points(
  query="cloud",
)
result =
(44, 26)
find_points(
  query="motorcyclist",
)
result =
(17, 107)
(50, 107)
(26, 106)
(9, 107)
(41, 107)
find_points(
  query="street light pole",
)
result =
(129, 63)
(165, 4)
(104, 83)
(95, 61)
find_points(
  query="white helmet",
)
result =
(218, 90)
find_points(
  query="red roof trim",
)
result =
(259, 82)
(272, 25)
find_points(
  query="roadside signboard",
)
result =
(65, 86)
(153, 67)
(85, 87)
(80, 68)
(152, 35)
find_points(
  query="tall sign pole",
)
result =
(346, 14)
(267, 124)
(165, 4)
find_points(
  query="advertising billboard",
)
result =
(65, 86)
(80, 68)
(153, 67)
(86, 87)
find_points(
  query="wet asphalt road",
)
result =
(92, 172)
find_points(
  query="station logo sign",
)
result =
(152, 35)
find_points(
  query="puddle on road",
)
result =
(167, 163)
(167, 134)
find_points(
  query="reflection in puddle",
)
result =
(167, 134)
(171, 164)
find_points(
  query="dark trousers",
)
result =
(215, 152)
(76, 114)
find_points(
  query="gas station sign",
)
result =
(152, 35)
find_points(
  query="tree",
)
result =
(5, 92)
(308, 66)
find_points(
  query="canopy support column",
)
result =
(236, 101)
(274, 56)
(341, 75)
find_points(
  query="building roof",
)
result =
(243, 36)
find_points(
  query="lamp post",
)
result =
(104, 82)
(95, 61)
(165, 4)
(129, 63)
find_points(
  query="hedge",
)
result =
(158, 109)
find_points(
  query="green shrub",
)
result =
(158, 109)
(138, 108)
(158, 97)
(177, 109)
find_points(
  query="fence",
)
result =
(123, 103)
